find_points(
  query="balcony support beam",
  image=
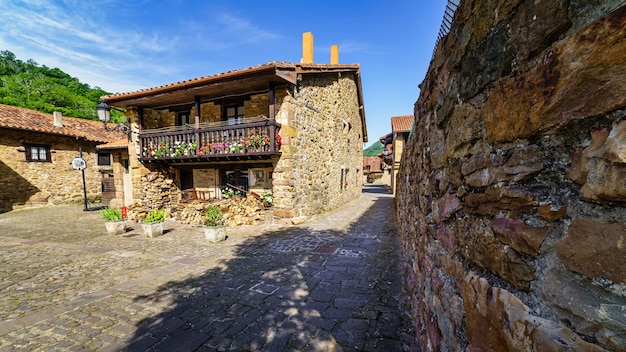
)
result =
(197, 101)
(272, 116)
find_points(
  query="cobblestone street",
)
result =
(332, 283)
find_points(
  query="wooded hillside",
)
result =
(29, 85)
(373, 150)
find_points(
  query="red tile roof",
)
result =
(14, 117)
(402, 123)
(117, 144)
(250, 79)
(374, 163)
(236, 74)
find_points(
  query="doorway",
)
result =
(237, 177)
(186, 179)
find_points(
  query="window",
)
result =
(38, 153)
(183, 118)
(234, 114)
(344, 179)
(104, 159)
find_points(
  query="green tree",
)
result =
(28, 85)
(373, 150)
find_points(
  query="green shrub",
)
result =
(156, 215)
(111, 214)
(213, 216)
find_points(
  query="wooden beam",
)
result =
(272, 102)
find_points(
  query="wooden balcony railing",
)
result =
(254, 138)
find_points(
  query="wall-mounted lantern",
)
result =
(104, 114)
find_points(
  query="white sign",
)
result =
(79, 163)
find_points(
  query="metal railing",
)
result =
(446, 22)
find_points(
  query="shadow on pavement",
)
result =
(375, 188)
(293, 289)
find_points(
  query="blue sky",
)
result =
(125, 45)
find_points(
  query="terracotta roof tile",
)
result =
(402, 123)
(231, 73)
(30, 120)
(373, 162)
(118, 144)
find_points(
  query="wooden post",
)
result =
(197, 123)
(272, 114)
(141, 140)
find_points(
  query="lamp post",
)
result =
(104, 114)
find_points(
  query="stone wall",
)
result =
(26, 184)
(321, 166)
(512, 189)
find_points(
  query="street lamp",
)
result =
(104, 114)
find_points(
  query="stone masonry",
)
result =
(512, 190)
(321, 166)
(28, 184)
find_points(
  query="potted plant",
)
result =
(214, 229)
(153, 224)
(113, 221)
(267, 199)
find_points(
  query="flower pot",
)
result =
(152, 230)
(215, 233)
(115, 227)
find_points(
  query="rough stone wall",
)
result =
(209, 112)
(512, 189)
(322, 146)
(25, 184)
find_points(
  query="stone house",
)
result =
(372, 168)
(36, 153)
(394, 145)
(295, 130)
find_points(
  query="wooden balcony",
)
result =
(251, 139)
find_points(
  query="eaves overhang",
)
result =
(184, 93)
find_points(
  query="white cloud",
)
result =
(70, 35)
(242, 29)
(115, 45)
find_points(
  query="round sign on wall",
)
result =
(79, 163)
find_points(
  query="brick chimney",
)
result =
(307, 48)
(334, 54)
(58, 119)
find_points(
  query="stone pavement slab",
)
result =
(332, 283)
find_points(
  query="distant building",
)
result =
(394, 145)
(372, 168)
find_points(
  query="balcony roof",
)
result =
(251, 80)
